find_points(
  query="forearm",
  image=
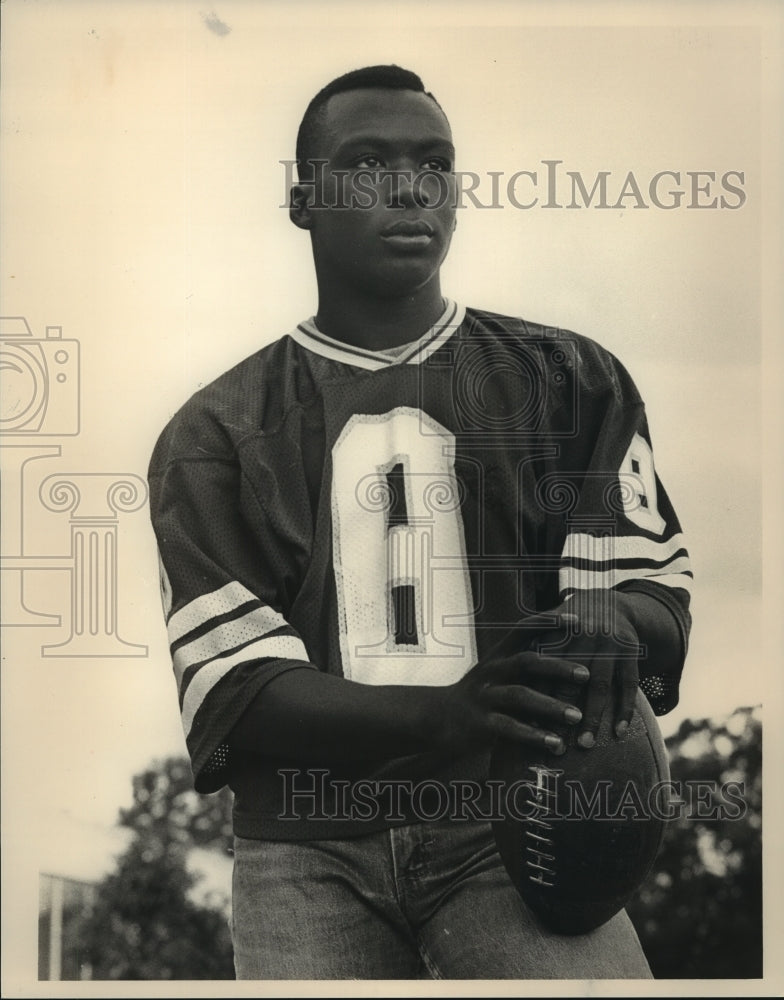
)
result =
(306, 714)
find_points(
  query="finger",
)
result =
(522, 732)
(522, 635)
(530, 630)
(562, 641)
(554, 668)
(628, 682)
(516, 669)
(593, 616)
(597, 698)
(522, 702)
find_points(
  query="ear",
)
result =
(299, 205)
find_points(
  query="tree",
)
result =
(167, 809)
(699, 914)
(144, 925)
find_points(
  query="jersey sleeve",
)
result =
(622, 532)
(226, 632)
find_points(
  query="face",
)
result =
(382, 209)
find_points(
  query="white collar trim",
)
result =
(309, 336)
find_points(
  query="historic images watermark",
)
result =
(313, 794)
(550, 185)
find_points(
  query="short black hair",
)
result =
(369, 77)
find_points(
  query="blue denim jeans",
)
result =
(429, 900)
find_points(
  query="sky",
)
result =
(142, 193)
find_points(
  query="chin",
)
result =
(400, 278)
(396, 287)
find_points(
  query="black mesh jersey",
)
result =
(386, 517)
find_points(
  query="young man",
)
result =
(366, 530)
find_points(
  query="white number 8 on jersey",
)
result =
(404, 594)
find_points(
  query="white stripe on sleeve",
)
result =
(672, 575)
(609, 547)
(284, 646)
(256, 623)
(200, 610)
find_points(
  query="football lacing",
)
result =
(542, 808)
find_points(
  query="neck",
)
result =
(365, 321)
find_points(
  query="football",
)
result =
(578, 833)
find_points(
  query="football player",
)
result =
(365, 530)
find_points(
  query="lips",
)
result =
(409, 236)
(408, 229)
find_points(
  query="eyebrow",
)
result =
(378, 142)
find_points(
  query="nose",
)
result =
(405, 190)
(421, 189)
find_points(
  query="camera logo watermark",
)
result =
(39, 380)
